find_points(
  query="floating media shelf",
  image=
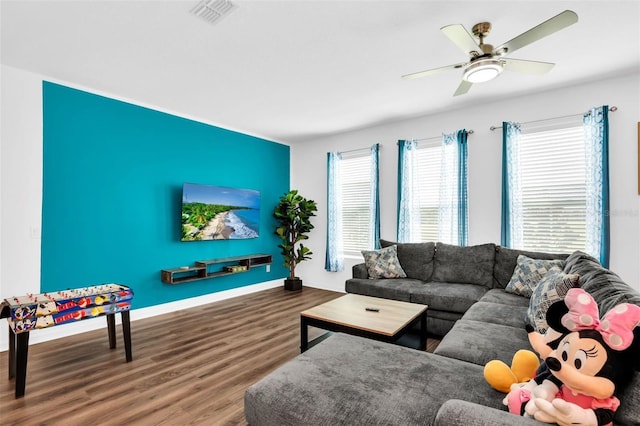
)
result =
(201, 268)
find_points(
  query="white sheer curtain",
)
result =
(448, 205)
(596, 132)
(408, 193)
(512, 221)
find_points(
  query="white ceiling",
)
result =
(291, 71)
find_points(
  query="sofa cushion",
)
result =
(528, 274)
(506, 259)
(496, 313)
(416, 258)
(480, 342)
(606, 287)
(552, 288)
(450, 297)
(348, 380)
(359, 270)
(498, 295)
(581, 257)
(383, 263)
(396, 289)
(456, 264)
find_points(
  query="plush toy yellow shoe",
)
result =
(523, 368)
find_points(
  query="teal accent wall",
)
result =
(112, 187)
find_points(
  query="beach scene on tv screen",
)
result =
(219, 213)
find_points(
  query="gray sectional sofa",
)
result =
(348, 380)
(448, 278)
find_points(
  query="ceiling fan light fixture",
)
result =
(482, 70)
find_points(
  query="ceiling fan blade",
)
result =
(463, 88)
(548, 27)
(459, 35)
(433, 71)
(529, 67)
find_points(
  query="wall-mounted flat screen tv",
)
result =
(219, 213)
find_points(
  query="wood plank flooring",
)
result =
(189, 367)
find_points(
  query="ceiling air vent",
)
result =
(213, 10)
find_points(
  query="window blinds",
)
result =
(552, 166)
(428, 160)
(355, 191)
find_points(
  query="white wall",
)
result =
(484, 161)
(21, 182)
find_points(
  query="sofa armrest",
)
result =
(359, 271)
(458, 412)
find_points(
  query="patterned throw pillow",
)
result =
(383, 263)
(528, 273)
(552, 288)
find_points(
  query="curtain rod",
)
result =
(469, 132)
(359, 149)
(612, 109)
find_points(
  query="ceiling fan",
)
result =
(485, 63)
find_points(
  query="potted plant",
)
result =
(293, 214)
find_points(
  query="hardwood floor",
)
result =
(189, 367)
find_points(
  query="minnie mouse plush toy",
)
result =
(593, 361)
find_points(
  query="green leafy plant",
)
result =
(293, 214)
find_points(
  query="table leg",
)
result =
(111, 329)
(304, 334)
(423, 331)
(12, 353)
(126, 331)
(21, 362)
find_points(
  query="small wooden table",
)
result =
(348, 314)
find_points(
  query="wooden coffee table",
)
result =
(349, 314)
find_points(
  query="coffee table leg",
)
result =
(304, 334)
(423, 331)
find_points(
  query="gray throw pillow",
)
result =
(552, 288)
(528, 273)
(416, 258)
(383, 263)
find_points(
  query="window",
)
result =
(355, 193)
(555, 184)
(428, 158)
(353, 218)
(552, 181)
(432, 189)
